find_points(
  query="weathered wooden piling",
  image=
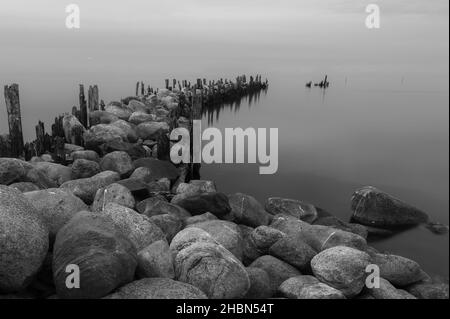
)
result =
(14, 120)
(93, 104)
(83, 107)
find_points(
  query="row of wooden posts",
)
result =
(194, 97)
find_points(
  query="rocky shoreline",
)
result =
(136, 226)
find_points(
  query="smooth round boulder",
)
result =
(103, 133)
(161, 207)
(159, 169)
(293, 251)
(387, 291)
(13, 170)
(212, 269)
(259, 284)
(188, 237)
(155, 261)
(128, 128)
(82, 168)
(121, 111)
(85, 155)
(158, 288)
(169, 224)
(342, 268)
(264, 237)
(119, 162)
(291, 207)
(214, 203)
(114, 193)
(24, 240)
(106, 259)
(152, 130)
(56, 172)
(140, 117)
(25, 187)
(308, 287)
(199, 219)
(247, 210)
(56, 206)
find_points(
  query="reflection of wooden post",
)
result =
(14, 119)
(83, 107)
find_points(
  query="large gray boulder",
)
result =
(158, 288)
(114, 193)
(105, 257)
(259, 284)
(56, 172)
(119, 162)
(213, 269)
(155, 207)
(159, 169)
(214, 203)
(82, 168)
(72, 128)
(23, 240)
(156, 261)
(13, 170)
(56, 206)
(85, 155)
(123, 112)
(247, 210)
(169, 224)
(101, 134)
(129, 129)
(293, 251)
(25, 187)
(291, 207)
(140, 117)
(376, 208)
(101, 117)
(86, 188)
(308, 287)
(188, 237)
(152, 130)
(343, 268)
(138, 228)
(387, 291)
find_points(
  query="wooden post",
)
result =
(14, 119)
(5, 146)
(83, 107)
(40, 138)
(137, 89)
(93, 104)
(167, 84)
(142, 89)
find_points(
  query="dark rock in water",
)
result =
(288, 224)
(25, 187)
(119, 162)
(155, 261)
(259, 284)
(379, 233)
(141, 231)
(247, 210)
(214, 203)
(278, 270)
(159, 169)
(23, 240)
(264, 237)
(437, 228)
(338, 224)
(135, 151)
(161, 207)
(114, 193)
(101, 117)
(291, 207)
(199, 219)
(129, 130)
(103, 133)
(388, 291)
(14, 171)
(429, 291)
(56, 172)
(105, 257)
(308, 287)
(293, 251)
(158, 288)
(342, 268)
(169, 224)
(398, 270)
(151, 130)
(86, 188)
(188, 237)
(85, 155)
(225, 233)
(56, 207)
(213, 269)
(373, 207)
(82, 168)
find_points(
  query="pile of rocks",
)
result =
(119, 223)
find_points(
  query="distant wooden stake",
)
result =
(14, 119)
(83, 107)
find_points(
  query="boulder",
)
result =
(398, 270)
(114, 193)
(213, 269)
(85, 155)
(373, 207)
(334, 222)
(138, 228)
(72, 128)
(56, 172)
(291, 207)
(158, 288)
(101, 134)
(293, 251)
(169, 224)
(247, 210)
(225, 233)
(152, 130)
(308, 287)
(25, 187)
(101, 117)
(278, 270)
(143, 174)
(148, 203)
(214, 203)
(387, 291)
(159, 169)
(23, 240)
(137, 106)
(155, 261)
(259, 284)
(342, 268)
(121, 111)
(105, 257)
(199, 219)
(82, 168)
(140, 117)
(128, 128)
(188, 237)
(119, 162)
(264, 237)
(429, 290)
(86, 188)
(56, 207)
